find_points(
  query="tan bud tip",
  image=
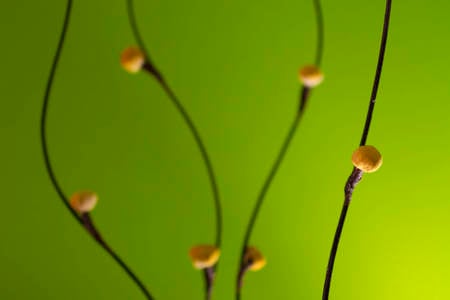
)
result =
(310, 76)
(254, 259)
(83, 202)
(367, 159)
(132, 59)
(204, 256)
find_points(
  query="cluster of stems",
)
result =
(208, 255)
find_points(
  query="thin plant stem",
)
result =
(89, 224)
(352, 181)
(80, 219)
(209, 273)
(304, 95)
(320, 32)
(150, 67)
(43, 126)
(356, 175)
(305, 92)
(376, 81)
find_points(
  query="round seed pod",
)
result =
(204, 256)
(310, 76)
(367, 159)
(84, 201)
(254, 259)
(132, 59)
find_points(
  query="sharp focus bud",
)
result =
(132, 59)
(310, 76)
(367, 159)
(83, 202)
(204, 256)
(254, 259)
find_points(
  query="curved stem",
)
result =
(320, 32)
(150, 67)
(356, 175)
(48, 163)
(43, 126)
(204, 154)
(153, 70)
(376, 81)
(263, 192)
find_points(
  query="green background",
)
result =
(234, 65)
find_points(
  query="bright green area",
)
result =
(234, 65)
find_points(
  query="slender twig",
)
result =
(209, 274)
(356, 174)
(305, 92)
(352, 181)
(204, 154)
(89, 224)
(320, 32)
(304, 95)
(376, 81)
(83, 218)
(186, 117)
(48, 88)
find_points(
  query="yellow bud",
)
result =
(84, 201)
(132, 59)
(204, 256)
(367, 159)
(254, 259)
(310, 76)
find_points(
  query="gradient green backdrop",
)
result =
(234, 65)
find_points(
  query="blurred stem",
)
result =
(320, 32)
(303, 101)
(305, 92)
(153, 70)
(356, 174)
(43, 129)
(90, 227)
(209, 274)
(352, 181)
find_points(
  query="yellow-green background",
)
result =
(234, 65)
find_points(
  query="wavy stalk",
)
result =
(149, 66)
(304, 96)
(83, 219)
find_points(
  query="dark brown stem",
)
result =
(151, 68)
(82, 220)
(45, 105)
(209, 275)
(376, 81)
(352, 181)
(320, 32)
(303, 100)
(243, 270)
(356, 175)
(90, 227)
